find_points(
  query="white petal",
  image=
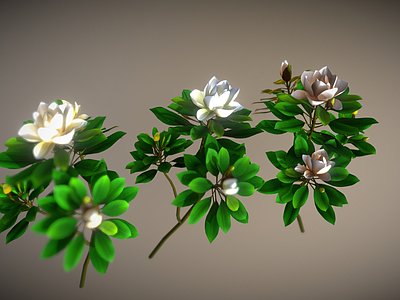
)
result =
(29, 133)
(318, 166)
(42, 149)
(234, 105)
(77, 124)
(299, 94)
(211, 102)
(307, 85)
(223, 113)
(197, 98)
(328, 94)
(337, 104)
(234, 93)
(209, 90)
(47, 134)
(224, 98)
(204, 114)
(318, 87)
(68, 116)
(341, 86)
(300, 168)
(38, 119)
(57, 122)
(312, 102)
(308, 174)
(222, 86)
(307, 161)
(42, 108)
(325, 177)
(64, 139)
(324, 169)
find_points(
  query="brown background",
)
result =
(121, 58)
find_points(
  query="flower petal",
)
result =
(299, 94)
(42, 149)
(77, 124)
(337, 104)
(209, 90)
(29, 133)
(327, 95)
(223, 113)
(204, 114)
(47, 133)
(64, 139)
(341, 86)
(197, 98)
(300, 168)
(325, 176)
(57, 122)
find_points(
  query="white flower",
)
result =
(320, 87)
(230, 186)
(218, 99)
(316, 165)
(92, 218)
(53, 124)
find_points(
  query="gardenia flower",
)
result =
(53, 124)
(218, 99)
(316, 165)
(230, 186)
(320, 87)
(92, 218)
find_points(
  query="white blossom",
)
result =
(316, 165)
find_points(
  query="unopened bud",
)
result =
(365, 139)
(286, 71)
(355, 112)
(156, 137)
(6, 188)
(321, 190)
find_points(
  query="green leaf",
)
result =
(217, 128)
(349, 107)
(95, 123)
(283, 177)
(62, 196)
(73, 253)
(224, 217)
(323, 115)
(240, 167)
(115, 208)
(146, 176)
(288, 109)
(87, 135)
(41, 226)
(61, 159)
(290, 213)
(300, 197)
(350, 180)
(200, 185)
(211, 224)
(128, 193)
(186, 177)
(109, 227)
(289, 99)
(300, 145)
(89, 167)
(104, 245)
(31, 214)
(328, 215)
(270, 187)
(212, 161)
(269, 126)
(321, 199)
(17, 231)
(103, 146)
(145, 138)
(291, 125)
(199, 210)
(184, 103)
(122, 230)
(13, 212)
(336, 198)
(78, 187)
(116, 188)
(342, 128)
(364, 147)
(256, 181)
(348, 98)
(150, 160)
(232, 202)
(278, 159)
(42, 173)
(252, 170)
(99, 263)
(134, 232)
(241, 214)
(245, 189)
(62, 228)
(168, 117)
(242, 133)
(338, 173)
(186, 198)
(55, 246)
(17, 159)
(223, 160)
(164, 167)
(95, 140)
(101, 189)
(239, 118)
(17, 142)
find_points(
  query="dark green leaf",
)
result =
(55, 246)
(212, 161)
(289, 99)
(199, 210)
(99, 263)
(146, 176)
(211, 224)
(270, 187)
(290, 213)
(31, 214)
(350, 180)
(224, 217)
(186, 177)
(217, 128)
(168, 117)
(74, 252)
(17, 231)
(62, 228)
(328, 215)
(104, 245)
(198, 132)
(269, 126)
(323, 115)
(186, 198)
(338, 173)
(291, 125)
(111, 140)
(164, 167)
(321, 199)
(288, 109)
(89, 167)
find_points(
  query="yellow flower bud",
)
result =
(322, 190)
(355, 112)
(6, 188)
(365, 139)
(156, 137)
(86, 200)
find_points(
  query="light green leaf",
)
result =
(200, 185)
(199, 210)
(101, 189)
(62, 228)
(232, 202)
(104, 245)
(115, 208)
(224, 217)
(74, 252)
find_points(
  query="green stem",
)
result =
(300, 223)
(171, 232)
(313, 125)
(84, 271)
(178, 209)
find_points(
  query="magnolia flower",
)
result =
(320, 87)
(230, 186)
(53, 124)
(92, 217)
(286, 71)
(218, 99)
(316, 165)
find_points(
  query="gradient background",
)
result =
(122, 58)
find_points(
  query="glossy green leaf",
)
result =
(291, 125)
(164, 167)
(123, 231)
(365, 147)
(240, 167)
(99, 263)
(92, 142)
(350, 180)
(55, 246)
(348, 98)
(87, 135)
(145, 138)
(61, 159)
(133, 230)
(240, 214)
(289, 99)
(185, 198)
(101, 189)
(224, 217)
(63, 198)
(200, 185)
(278, 159)
(271, 186)
(300, 197)
(115, 208)
(168, 117)
(211, 223)
(78, 187)
(42, 173)
(245, 189)
(323, 115)
(17, 142)
(31, 214)
(41, 226)
(199, 210)
(290, 214)
(73, 253)
(321, 199)
(150, 160)
(269, 126)
(256, 181)
(242, 133)
(186, 177)
(212, 161)
(223, 160)
(62, 228)
(104, 245)
(89, 167)
(108, 227)
(17, 231)
(328, 215)
(116, 187)
(283, 177)
(232, 202)
(103, 146)
(146, 176)
(338, 173)
(288, 109)
(336, 197)
(128, 193)
(217, 128)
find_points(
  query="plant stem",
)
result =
(178, 209)
(313, 125)
(84, 271)
(175, 228)
(300, 223)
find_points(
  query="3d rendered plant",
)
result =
(75, 193)
(318, 109)
(84, 189)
